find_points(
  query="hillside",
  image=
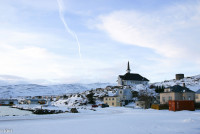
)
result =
(192, 82)
(7, 91)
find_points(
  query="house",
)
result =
(125, 95)
(35, 101)
(197, 96)
(38, 97)
(176, 93)
(121, 98)
(8, 102)
(130, 79)
(140, 104)
(112, 101)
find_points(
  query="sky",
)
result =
(76, 41)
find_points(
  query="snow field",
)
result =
(118, 120)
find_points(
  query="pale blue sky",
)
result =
(160, 38)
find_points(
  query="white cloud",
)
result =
(38, 63)
(29, 61)
(169, 32)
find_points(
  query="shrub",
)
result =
(74, 110)
(90, 98)
(197, 105)
(135, 94)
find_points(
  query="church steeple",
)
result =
(128, 68)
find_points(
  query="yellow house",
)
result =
(112, 101)
(176, 93)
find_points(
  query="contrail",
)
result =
(66, 26)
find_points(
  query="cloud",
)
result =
(61, 14)
(28, 61)
(36, 62)
(171, 32)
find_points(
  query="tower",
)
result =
(128, 68)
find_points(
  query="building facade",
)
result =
(176, 93)
(113, 101)
(197, 96)
(121, 98)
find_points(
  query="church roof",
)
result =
(133, 76)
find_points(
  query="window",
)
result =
(109, 98)
(189, 97)
(183, 97)
(113, 104)
(170, 98)
(197, 97)
(113, 98)
(120, 92)
(163, 99)
(106, 99)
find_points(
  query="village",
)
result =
(132, 91)
(100, 66)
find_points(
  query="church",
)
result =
(131, 79)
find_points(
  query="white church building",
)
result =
(131, 79)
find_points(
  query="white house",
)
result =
(130, 79)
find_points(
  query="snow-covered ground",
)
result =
(116, 120)
(7, 111)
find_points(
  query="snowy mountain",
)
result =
(13, 86)
(192, 82)
(10, 79)
(7, 91)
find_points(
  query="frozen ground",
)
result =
(106, 121)
(7, 111)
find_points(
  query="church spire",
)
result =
(128, 68)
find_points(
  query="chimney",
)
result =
(179, 76)
(183, 84)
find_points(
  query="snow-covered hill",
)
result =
(14, 86)
(192, 82)
(7, 91)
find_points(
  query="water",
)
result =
(8, 111)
